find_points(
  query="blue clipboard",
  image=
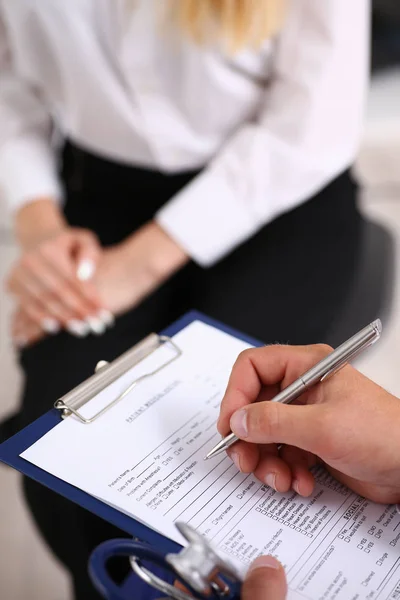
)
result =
(11, 449)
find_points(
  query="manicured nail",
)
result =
(78, 328)
(265, 562)
(20, 341)
(235, 458)
(239, 423)
(86, 269)
(107, 317)
(270, 480)
(96, 325)
(296, 487)
(50, 325)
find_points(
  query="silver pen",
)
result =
(321, 371)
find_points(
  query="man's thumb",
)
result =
(272, 422)
(265, 580)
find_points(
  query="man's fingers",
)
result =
(265, 580)
(274, 472)
(300, 463)
(264, 462)
(245, 456)
(258, 369)
(272, 422)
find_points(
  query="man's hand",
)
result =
(347, 422)
(265, 580)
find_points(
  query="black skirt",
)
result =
(286, 284)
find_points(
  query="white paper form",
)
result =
(145, 457)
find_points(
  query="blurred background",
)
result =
(29, 571)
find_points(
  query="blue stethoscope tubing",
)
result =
(127, 548)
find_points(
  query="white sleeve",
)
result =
(27, 162)
(307, 133)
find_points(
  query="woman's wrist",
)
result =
(162, 256)
(38, 220)
(168, 257)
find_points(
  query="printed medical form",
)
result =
(145, 458)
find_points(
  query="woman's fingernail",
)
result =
(265, 562)
(235, 458)
(78, 328)
(296, 487)
(50, 325)
(239, 423)
(107, 317)
(96, 325)
(270, 480)
(86, 270)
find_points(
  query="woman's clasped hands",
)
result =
(65, 280)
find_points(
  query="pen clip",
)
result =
(377, 330)
(343, 363)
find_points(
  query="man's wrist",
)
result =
(38, 220)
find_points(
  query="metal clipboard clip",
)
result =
(107, 373)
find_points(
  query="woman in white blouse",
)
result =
(161, 156)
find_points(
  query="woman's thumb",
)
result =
(265, 580)
(87, 254)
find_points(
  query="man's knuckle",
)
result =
(243, 356)
(323, 349)
(242, 359)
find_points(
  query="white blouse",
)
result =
(271, 127)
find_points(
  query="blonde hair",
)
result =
(237, 23)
